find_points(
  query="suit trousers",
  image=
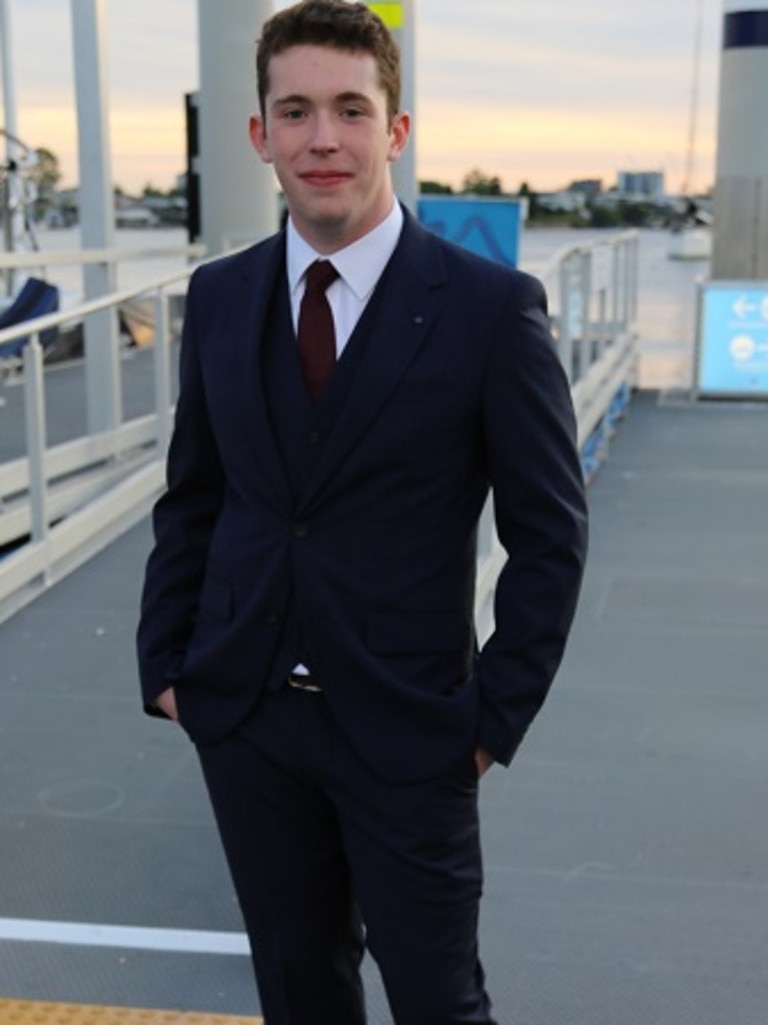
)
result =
(328, 859)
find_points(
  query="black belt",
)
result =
(300, 681)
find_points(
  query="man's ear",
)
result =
(399, 131)
(258, 135)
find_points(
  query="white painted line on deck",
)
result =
(86, 934)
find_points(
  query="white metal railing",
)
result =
(84, 257)
(70, 500)
(592, 290)
(74, 498)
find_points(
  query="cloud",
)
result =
(554, 89)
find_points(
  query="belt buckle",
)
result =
(301, 682)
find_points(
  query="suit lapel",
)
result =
(259, 279)
(413, 295)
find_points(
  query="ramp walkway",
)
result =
(627, 878)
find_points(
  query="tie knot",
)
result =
(320, 275)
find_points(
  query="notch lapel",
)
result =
(259, 279)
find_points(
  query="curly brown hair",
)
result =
(333, 23)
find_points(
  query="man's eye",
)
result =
(352, 113)
(292, 114)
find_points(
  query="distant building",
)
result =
(566, 201)
(131, 213)
(641, 185)
(167, 209)
(589, 187)
(64, 210)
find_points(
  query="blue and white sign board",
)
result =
(732, 342)
(488, 227)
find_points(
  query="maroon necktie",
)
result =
(317, 338)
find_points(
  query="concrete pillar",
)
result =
(238, 195)
(13, 198)
(400, 17)
(741, 186)
(97, 214)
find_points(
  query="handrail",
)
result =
(38, 325)
(79, 257)
(74, 499)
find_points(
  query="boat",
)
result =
(691, 233)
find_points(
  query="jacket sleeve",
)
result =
(183, 521)
(541, 519)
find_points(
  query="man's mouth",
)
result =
(325, 177)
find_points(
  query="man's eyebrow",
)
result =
(297, 98)
(281, 101)
(350, 97)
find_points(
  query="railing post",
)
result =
(599, 283)
(624, 285)
(635, 243)
(630, 278)
(34, 409)
(568, 315)
(162, 358)
(616, 288)
(602, 334)
(585, 343)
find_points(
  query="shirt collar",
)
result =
(360, 264)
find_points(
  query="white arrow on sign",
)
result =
(742, 306)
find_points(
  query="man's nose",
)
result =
(325, 136)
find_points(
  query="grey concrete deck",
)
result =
(626, 849)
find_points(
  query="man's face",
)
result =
(327, 132)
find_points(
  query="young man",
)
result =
(308, 608)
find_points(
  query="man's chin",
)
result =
(328, 212)
(327, 221)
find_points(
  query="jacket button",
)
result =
(313, 437)
(273, 619)
(301, 530)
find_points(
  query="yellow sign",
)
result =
(390, 13)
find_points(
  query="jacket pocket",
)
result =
(418, 633)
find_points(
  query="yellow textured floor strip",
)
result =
(26, 1012)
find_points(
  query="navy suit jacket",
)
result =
(458, 391)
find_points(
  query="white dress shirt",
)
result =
(360, 265)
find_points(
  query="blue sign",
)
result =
(732, 346)
(488, 227)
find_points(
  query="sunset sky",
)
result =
(542, 91)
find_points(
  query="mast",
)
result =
(693, 113)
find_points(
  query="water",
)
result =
(667, 288)
(667, 299)
(131, 273)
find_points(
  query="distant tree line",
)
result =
(44, 177)
(596, 212)
(474, 183)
